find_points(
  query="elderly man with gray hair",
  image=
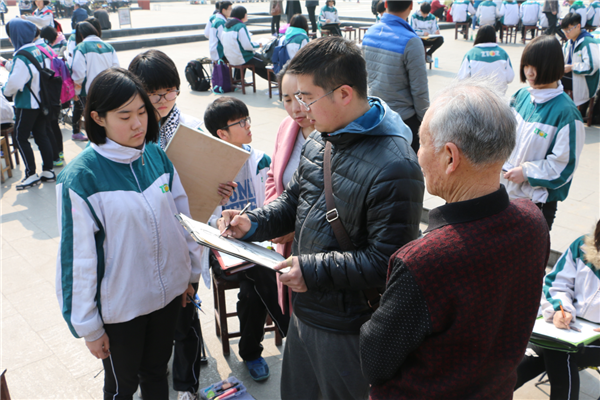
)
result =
(460, 302)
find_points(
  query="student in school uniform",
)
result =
(425, 24)
(593, 15)
(24, 84)
(509, 15)
(579, 8)
(573, 285)
(329, 19)
(296, 35)
(530, 14)
(487, 13)
(43, 14)
(215, 32)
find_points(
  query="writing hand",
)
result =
(425, 34)
(225, 191)
(240, 225)
(515, 175)
(560, 322)
(293, 279)
(284, 239)
(99, 348)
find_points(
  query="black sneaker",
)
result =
(48, 176)
(28, 182)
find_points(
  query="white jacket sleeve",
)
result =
(509, 73)
(41, 22)
(559, 287)
(79, 68)
(18, 78)
(115, 60)
(77, 265)
(465, 69)
(588, 65)
(196, 251)
(472, 9)
(244, 39)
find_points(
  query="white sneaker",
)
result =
(186, 396)
(48, 176)
(28, 182)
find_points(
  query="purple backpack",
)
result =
(221, 79)
(60, 69)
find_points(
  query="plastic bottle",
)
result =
(436, 62)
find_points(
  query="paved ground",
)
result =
(45, 362)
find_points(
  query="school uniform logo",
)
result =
(164, 188)
(540, 133)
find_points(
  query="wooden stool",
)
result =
(242, 81)
(6, 157)
(219, 287)
(511, 33)
(4, 395)
(272, 81)
(466, 27)
(528, 28)
(362, 29)
(10, 132)
(350, 31)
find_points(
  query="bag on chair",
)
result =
(221, 79)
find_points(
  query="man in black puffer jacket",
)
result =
(378, 191)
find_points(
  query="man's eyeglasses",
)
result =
(307, 106)
(243, 123)
(569, 30)
(169, 96)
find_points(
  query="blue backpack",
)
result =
(280, 55)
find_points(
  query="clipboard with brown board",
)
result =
(203, 162)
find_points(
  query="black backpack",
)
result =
(50, 88)
(197, 76)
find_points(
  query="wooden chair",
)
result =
(272, 82)
(242, 81)
(534, 29)
(465, 26)
(7, 133)
(349, 31)
(6, 158)
(509, 32)
(220, 285)
(4, 395)
(362, 29)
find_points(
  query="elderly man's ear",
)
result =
(452, 157)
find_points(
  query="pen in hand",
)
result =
(241, 213)
(562, 310)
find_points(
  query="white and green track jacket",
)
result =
(122, 251)
(593, 14)
(91, 57)
(489, 60)
(421, 24)
(574, 282)
(24, 75)
(584, 54)
(550, 137)
(237, 46)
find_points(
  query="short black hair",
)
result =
(381, 7)
(96, 22)
(486, 34)
(571, 19)
(217, 5)
(156, 70)
(49, 34)
(238, 12)
(332, 61)
(299, 21)
(110, 90)
(224, 5)
(83, 30)
(544, 53)
(223, 110)
(398, 6)
(425, 8)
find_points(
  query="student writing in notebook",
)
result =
(574, 283)
(228, 119)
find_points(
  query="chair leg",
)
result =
(223, 321)
(590, 112)
(217, 311)
(254, 79)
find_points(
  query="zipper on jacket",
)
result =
(143, 163)
(584, 311)
(156, 233)
(533, 112)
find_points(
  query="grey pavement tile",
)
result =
(21, 346)
(46, 379)
(37, 252)
(590, 383)
(93, 382)
(7, 308)
(49, 225)
(7, 250)
(16, 226)
(37, 305)
(18, 275)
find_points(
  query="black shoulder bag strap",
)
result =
(339, 231)
(37, 65)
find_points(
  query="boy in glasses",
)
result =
(227, 118)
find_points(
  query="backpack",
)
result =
(265, 53)
(50, 88)
(221, 78)
(197, 76)
(280, 55)
(60, 69)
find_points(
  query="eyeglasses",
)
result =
(307, 106)
(243, 123)
(169, 96)
(569, 30)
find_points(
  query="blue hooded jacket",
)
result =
(22, 32)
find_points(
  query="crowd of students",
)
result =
(124, 178)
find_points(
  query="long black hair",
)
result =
(83, 30)
(110, 90)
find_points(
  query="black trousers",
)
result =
(256, 299)
(562, 369)
(275, 24)
(33, 121)
(56, 139)
(333, 28)
(435, 44)
(260, 67)
(414, 124)
(311, 16)
(439, 13)
(549, 211)
(187, 350)
(139, 352)
(552, 25)
(78, 107)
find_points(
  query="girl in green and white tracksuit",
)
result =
(329, 19)
(583, 56)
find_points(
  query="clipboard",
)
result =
(196, 156)
(546, 335)
(208, 236)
